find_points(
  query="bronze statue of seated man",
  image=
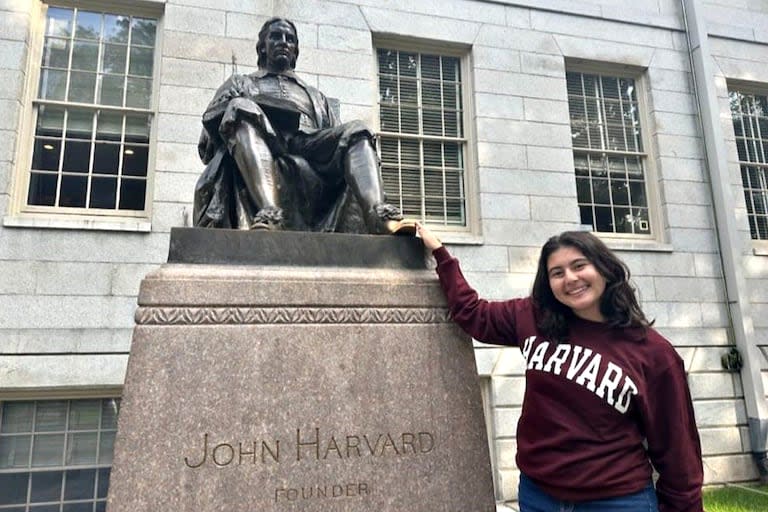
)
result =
(278, 158)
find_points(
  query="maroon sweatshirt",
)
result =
(591, 402)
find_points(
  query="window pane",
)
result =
(53, 85)
(602, 193)
(88, 25)
(85, 55)
(431, 93)
(389, 119)
(50, 120)
(48, 450)
(583, 191)
(106, 158)
(80, 484)
(109, 126)
(103, 193)
(109, 410)
(76, 156)
(79, 124)
(637, 191)
(132, 194)
(137, 128)
(106, 447)
(138, 93)
(58, 22)
(114, 58)
(430, 66)
(453, 124)
(603, 219)
(135, 160)
(46, 486)
(46, 154)
(407, 64)
(42, 189)
(103, 483)
(51, 416)
(620, 192)
(143, 31)
(84, 414)
(388, 90)
(112, 90)
(56, 53)
(14, 486)
(141, 61)
(17, 417)
(116, 28)
(409, 120)
(73, 190)
(77, 507)
(81, 87)
(409, 92)
(14, 451)
(81, 448)
(432, 122)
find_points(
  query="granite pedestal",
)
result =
(318, 372)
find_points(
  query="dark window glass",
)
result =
(103, 192)
(14, 486)
(42, 189)
(132, 194)
(76, 156)
(106, 158)
(46, 486)
(73, 191)
(135, 160)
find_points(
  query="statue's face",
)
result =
(281, 46)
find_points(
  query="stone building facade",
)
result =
(500, 124)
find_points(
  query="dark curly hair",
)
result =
(261, 44)
(618, 304)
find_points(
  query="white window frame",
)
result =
(470, 233)
(20, 214)
(760, 246)
(657, 237)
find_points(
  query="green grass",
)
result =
(742, 498)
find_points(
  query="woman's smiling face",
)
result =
(576, 282)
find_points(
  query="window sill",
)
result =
(100, 224)
(454, 238)
(637, 245)
(760, 248)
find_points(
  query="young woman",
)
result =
(606, 398)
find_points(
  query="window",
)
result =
(750, 124)
(55, 455)
(423, 144)
(92, 114)
(610, 161)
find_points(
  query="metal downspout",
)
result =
(729, 239)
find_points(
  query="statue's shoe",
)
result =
(400, 227)
(269, 219)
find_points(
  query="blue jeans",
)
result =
(533, 499)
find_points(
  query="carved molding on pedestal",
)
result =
(287, 315)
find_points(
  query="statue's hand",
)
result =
(237, 86)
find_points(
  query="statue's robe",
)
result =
(307, 146)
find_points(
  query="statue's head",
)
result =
(278, 45)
